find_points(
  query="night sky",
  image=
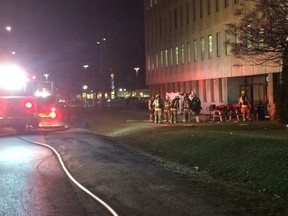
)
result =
(58, 37)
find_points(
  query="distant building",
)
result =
(185, 52)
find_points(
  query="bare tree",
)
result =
(261, 37)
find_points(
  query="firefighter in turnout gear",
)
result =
(186, 106)
(158, 107)
(174, 109)
(151, 109)
(166, 110)
(196, 106)
(245, 106)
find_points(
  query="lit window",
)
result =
(177, 55)
(161, 59)
(210, 46)
(227, 48)
(218, 45)
(182, 53)
(166, 58)
(202, 48)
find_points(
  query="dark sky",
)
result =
(58, 37)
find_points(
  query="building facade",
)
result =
(185, 51)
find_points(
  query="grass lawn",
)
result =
(247, 160)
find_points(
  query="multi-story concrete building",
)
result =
(185, 51)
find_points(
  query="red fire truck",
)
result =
(23, 103)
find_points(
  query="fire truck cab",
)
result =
(18, 106)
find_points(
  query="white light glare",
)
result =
(12, 77)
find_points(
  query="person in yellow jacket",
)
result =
(245, 106)
(166, 108)
(174, 109)
(158, 109)
(186, 106)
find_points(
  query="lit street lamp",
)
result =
(137, 70)
(8, 28)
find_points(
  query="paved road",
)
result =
(32, 182)
(133, 184)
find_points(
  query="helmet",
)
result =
(157, 96)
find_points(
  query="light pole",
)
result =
(137, 71)
(104, 79)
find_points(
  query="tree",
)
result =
(261, 37)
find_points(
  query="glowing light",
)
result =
(28, 105)
(52, 115)
(43, 93)
(12, 77)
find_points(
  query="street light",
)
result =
(46, 76)
(8, 28)
(136, 69)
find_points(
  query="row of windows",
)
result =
(186, 53)
(175, 18)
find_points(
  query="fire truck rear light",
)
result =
(52, 115)
(28, 105)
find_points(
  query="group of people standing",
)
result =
(168, 109)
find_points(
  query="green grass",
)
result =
(249, 159)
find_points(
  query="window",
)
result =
(171, 57)
(181, 16)
(217, 5)
(227, 48)
(148, 63)
(160, 25)
(204, 91)
(170, 22)
(188, 52)
(195, 50)
(220, 90)
(166, 58)
(177, 55)
(202, 48)
(161, 58)
(212, 90)
(156, 60)
(209, 7)
(175, 18)
(210, 46)
(226, 3)
(194, 10)
(182, 53)
(218, 44)
(201, 8)
(187, 13)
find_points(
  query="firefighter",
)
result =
(166, 109)
(151, 109)
(174, 109)
(186, 106)
(196, 106)
(158, 107)
(245, 106)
